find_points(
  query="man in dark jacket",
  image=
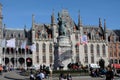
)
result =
(109, 74)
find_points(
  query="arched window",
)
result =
(44, 50)
(44, 47)
(115, 54)
(98, 50)
(92, 58)
(77, 49)
(85, 49)
(103, 50)
(92, 48)
(14, 34)
(50, 48)
(37, 52)
(51, 58)
(19, 35)
(11, 35)
(86, 58)
(37, 47)
(111, 55)
(119, 54)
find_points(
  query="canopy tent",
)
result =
(116, 66)
(94, 65)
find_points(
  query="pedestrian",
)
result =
(32, 77)
(109, 74)
(40, 76)
(69, 77)
(61, 77)
(1, 69)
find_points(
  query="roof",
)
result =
(117, 32)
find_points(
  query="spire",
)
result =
(104, 25)
(53, 18)
(1, 17)
(100, 23)
(33, 17)
(79, 20)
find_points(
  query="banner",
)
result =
(23, 45)
(84, 39)
(3, 43)
(11, 43)
(33, 47)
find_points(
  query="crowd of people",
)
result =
(108, 72)
(65, 76)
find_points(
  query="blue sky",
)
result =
(18, 13)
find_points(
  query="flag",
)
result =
(3, 43)
(84, 39)
(33, 47)
(23, 45)
(11, 43)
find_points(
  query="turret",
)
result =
(100, 23)
(52, 18)
(104, 26)
(80, 24)
(53, 26)
(105, 31)
(1, 17)
(33, 17)
(79, 20)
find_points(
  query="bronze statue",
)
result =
(62, 25)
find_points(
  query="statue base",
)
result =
(64, 51)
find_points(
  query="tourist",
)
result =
(69, 77)
(40, 76)
(109, 74)
(32, 77)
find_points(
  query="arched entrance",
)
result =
(29, 62)
(6, 60)
(102, 63)
(13, 60)
(21, 60)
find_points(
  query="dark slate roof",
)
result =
(117, 32)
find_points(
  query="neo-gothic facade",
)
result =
(59, 43)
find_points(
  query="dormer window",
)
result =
(19, 35)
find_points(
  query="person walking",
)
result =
(69, 77)
(109, 74)
(32, 77)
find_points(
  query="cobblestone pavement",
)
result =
(13, 75)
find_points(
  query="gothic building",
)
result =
(59, 46)
(59, 43)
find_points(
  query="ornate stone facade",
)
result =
(59, 43)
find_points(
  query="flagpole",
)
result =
(14, 59)
(25, 60)
(25, 56)
(4, 53)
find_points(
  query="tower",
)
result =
(80, 24)
(105, 31)
(1, 32)
(1, 18)
(54, 27)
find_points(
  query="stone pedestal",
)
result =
(64, 51)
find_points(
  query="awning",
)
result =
(116, 66)
(94, 66)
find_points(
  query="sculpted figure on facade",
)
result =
(62, 25)
(92, 34)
